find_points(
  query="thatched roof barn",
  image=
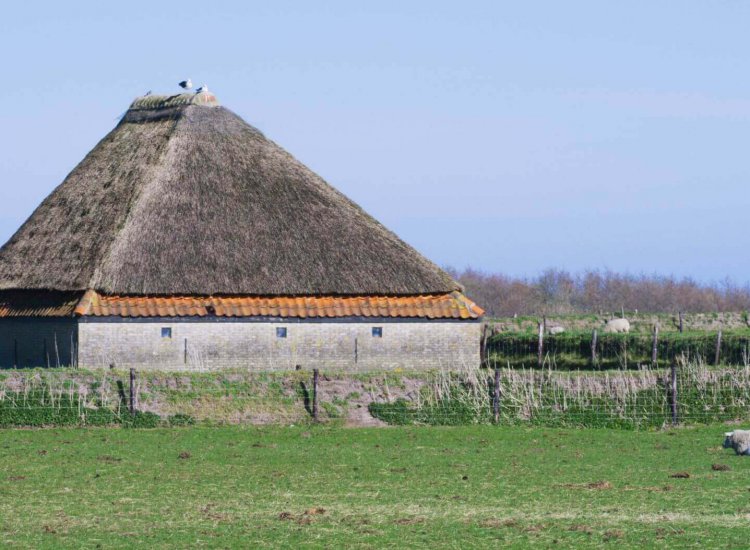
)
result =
(186, 211)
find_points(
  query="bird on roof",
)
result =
(186, 84)
(203, 88)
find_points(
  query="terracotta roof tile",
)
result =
(438, 306)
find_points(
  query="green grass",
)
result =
(448, 487)
(572, 349)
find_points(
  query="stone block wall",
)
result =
(214, 344)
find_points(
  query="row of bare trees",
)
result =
(556, 292)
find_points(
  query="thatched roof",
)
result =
(185, 198)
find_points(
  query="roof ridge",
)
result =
(153, 102)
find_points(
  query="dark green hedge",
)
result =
(37, 408)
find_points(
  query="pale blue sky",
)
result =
(507, 136)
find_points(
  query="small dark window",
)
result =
(280, 332)
(377, 332)
(166, 332)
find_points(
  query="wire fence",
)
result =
(616, 351)
(688, 391)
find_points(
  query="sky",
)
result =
(506, 136)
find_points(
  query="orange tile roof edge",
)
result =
(453, 305)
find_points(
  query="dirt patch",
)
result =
(209, 512)
(614, 534)
(498, 523)
(578, 528)
(409, 521)
(600, 485)
(109, 459)
(680, 475)
(184, 455)
(661, 532)
(302, 519)
(594, 485)
(662, 489)
(720, 467)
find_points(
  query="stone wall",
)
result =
(37, 342)
(212, 344)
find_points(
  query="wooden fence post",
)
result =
(315, 394)
(132, 391)
(540, 356)
(593, 348)
(673, 392)
(496, 396)
(717, 355)
(483, 345)
(680, 322)
(655, 345)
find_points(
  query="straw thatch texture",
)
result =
(189, 199)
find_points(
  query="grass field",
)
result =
(319, 486)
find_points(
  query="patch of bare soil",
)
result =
(595, 485)
(209, 512)
(680, 475)
(663, 489)
(358, 395)
(409, 521)
(498, 523)
(614, 534)
(720, 467)
(661, 532)
(302, 519)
